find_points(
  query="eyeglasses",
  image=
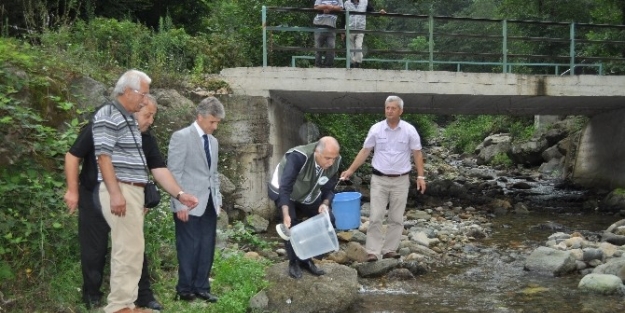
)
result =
(142, 94)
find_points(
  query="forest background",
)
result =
(44, 43)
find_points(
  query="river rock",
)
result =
(613, 267)
(550, 261)
(333, 292)
(257, 223)
(492, 146)
(376, 269)
(602, 284)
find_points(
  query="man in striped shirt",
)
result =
(326, 39)
(122, 176)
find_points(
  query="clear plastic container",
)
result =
(314, 236)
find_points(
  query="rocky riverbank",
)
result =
(451, 226)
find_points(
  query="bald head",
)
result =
(327, 151)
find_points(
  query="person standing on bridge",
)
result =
(393, 140)
(357, 22)
(326, 38)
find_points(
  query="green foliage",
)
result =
(237, 278)
(103, 46)
(245, 237)
(35, 231)
(501, 159)
(467, 132)
(349, 129)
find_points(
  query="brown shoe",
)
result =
(371, 257)
(391, 255)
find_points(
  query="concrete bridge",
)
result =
(282, 95)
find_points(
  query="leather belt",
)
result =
(376, 172)
(132, 183)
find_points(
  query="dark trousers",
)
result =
(195, 245)
(93, 235)
(325, 40)
(297, 211)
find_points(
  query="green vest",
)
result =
(308, 185)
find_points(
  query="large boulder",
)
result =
(333, 292)
(492, 146)
(614, 201)
(550, 261)
(528, 153)
(602, 284)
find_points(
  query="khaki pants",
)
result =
(391, 191)
(127, 247)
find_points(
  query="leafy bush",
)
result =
(36, 234)
(501, 159)
(465, 133)
(103, 46)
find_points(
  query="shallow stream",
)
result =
(495, 281)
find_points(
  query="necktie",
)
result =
(207, 150)
(317, 169)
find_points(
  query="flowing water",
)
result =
(494, 281)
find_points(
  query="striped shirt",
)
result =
(113, 137)
(392, 147)
(324, 19)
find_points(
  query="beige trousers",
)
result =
(127, 247)
(391, 191)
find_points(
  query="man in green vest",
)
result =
(302, 185)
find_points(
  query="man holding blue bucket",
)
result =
(393, 141)
(302, 185)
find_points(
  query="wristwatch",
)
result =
(179, 194)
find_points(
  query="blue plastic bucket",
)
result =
(346, 209)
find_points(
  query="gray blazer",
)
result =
(187, 162)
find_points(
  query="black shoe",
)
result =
(92, 303)
(154, 305)
(294, 270)
(184, 296)
(206, 296)
(310, 266)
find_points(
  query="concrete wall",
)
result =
(285, 121)
(245, 150)
(600, 159)
(253, 137)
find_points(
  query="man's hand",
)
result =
(71, 200)
(189, 200)
(421, 185)
(183, 215)
(118, 205)
(346, 174)
(323, 208)
(286, 220)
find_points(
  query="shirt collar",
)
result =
(199, 130)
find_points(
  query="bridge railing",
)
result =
(426, 42)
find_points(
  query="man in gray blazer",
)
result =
(192, 159)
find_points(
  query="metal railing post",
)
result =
(264, 20)
(431, 41)
(504, 48)
(347, 45)
(572, 52)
